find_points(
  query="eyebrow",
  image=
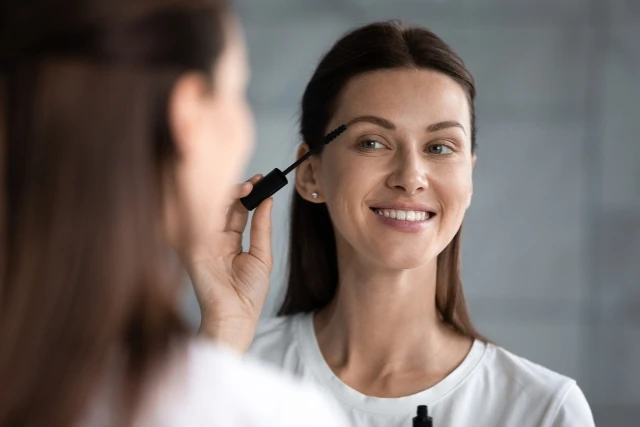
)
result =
(445, 125)
(375, 120)
(389, 125)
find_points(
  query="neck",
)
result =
(384, 320)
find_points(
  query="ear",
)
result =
(187, 112)
(307, 182)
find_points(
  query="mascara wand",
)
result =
(276, 179)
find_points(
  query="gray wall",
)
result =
(552, 241)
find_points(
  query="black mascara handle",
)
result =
(265, 188)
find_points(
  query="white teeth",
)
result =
(403, 215)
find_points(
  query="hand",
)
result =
(232, 285)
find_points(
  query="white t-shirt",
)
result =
(213, 387)
(491, 387)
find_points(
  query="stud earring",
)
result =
(314, 195)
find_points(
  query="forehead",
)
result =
(407, 97)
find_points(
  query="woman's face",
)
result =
(398, 182)
(215, 137)
(232, 128)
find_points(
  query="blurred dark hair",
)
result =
(313, 264)
(84, 148)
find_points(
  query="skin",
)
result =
(381, 335)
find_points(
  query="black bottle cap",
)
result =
(422, 419)
(264, 189)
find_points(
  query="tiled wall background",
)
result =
(552, 241)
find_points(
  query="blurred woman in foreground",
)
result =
(123, 125)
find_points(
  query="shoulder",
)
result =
(218, 367)
(573, 410)
(524, 380)
(216, 386)
(523, 372)
(277, 327)
(276, 339)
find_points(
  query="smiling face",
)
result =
(398, 182)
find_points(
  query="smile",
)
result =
(400, 215)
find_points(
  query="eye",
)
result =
(370, 144)
(439, 149)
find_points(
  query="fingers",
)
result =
(239, 191)
(260, 238)
(237, 214)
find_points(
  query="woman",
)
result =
(374, 309)
(123, 126)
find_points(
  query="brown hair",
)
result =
(313, 264)
(84, 145)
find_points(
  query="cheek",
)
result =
(234, 134)
(344, 188)
(341, 173)
(244, 123)
(238, 130)
(222, 154)
(212, 179)
(453, 188)
(346, 183)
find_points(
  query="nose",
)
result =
(409, 174)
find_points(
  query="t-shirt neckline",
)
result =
(306, 336)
